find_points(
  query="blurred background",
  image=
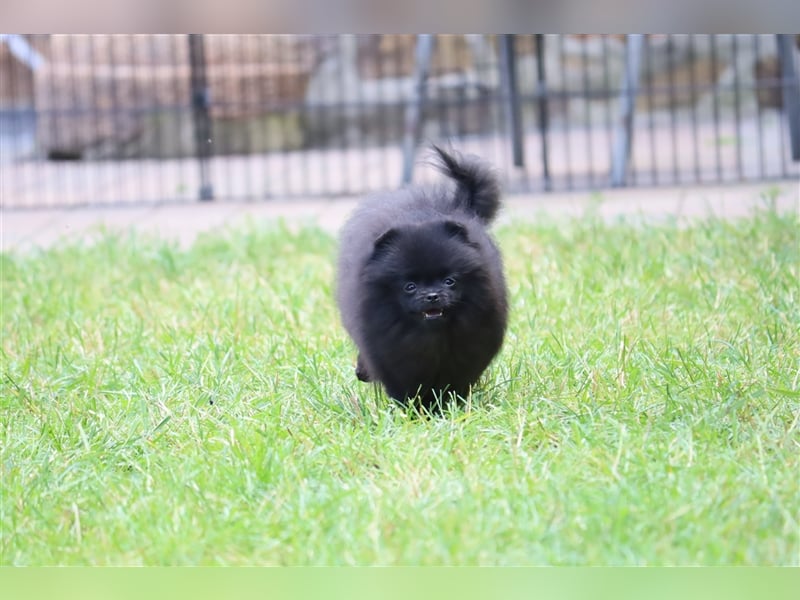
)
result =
(148, 119)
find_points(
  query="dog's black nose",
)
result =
(432, 297)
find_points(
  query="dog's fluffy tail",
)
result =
(477, 186)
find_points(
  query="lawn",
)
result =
(198, 406)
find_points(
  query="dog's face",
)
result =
(433, 298)
(425, 270)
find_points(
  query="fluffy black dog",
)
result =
(420, 284)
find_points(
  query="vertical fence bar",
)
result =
(756, 90)
(587, 112)
(623, 136)
(737, 112)
(452, 114)
(244, 54)
(382, 131)
(115, 114)
(673, 108)
(225, 157)
(413, 117)
(567, 92)
(265, 104)
(142, 107)
(790, 85)
(651, 126)
(156, 182)
(693, 94)
(715, 106)
(201, 119)
(544, 116)
(508, 73)
(607, 96)
(346, 48)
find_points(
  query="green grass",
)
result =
(168, 406)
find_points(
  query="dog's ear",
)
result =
(384, 242)
(456, 230)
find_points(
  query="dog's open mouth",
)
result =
(432, 313)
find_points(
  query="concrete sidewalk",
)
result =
(41, 228)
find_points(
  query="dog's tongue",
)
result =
(432, 313)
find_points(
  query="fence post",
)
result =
(201, 120)
(791, 90)
(623, 136)
(413, 117)
(541, 100)
(508, 74)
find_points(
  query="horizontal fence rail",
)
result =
(138, 119)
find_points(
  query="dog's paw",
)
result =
(361, 371)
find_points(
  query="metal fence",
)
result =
(120, 119)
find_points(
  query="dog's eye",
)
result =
(410, 287)
(449, 281)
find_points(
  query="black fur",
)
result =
(420, 284)
(477, 189)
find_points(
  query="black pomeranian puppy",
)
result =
(420, 284)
